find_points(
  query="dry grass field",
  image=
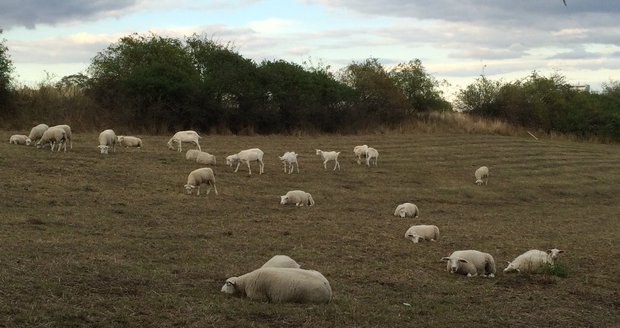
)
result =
(96, 241)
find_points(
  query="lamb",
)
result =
(53, 136)
(329, 156)
(20, 139)
(129, 141)
(37, 132)
(281, 285)
(191, 154)
(289, 159)
(533, 261)
(184, 136)
(471, 263)
(370, 154)
(247, 156)
(297, 197)
(205, 158)
(67, 132)
(422, 232)
(360, 151)
(407, 210)
(107, 139)
(198, 177)
(281, 261)
(482, 175)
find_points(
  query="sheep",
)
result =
(247, 156)
(360, 151)
(37, 132)
(407, 210)
(191, 154)
(198, 177)
(107, 139)
(281, 285)
(471, 263)
(422, 232)
(184, 136)
(533, 261)
(329, 156)
(129, 141)
(20, 139)
(68, 133)
(482, 175)
(289, 159)
(205, 158)
(370, 154)
(297, 197)
(281, 261)
(53, 136)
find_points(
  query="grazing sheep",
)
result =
(370, 154)
(360, 151)
(297, 197)
(191, 154)
(198, 177)
(20, 139)
(247, 156)
(281, 261)
(129, 141)
(67, 132)
(184, 136)
(407, 210)
(422, 232)
(281, 285)
(329, 156)
(289, 160)
(107, 139)
(482, 175)
(471, 263)
(533, 261)
(53, 136)
(37, 132)
(205, 158)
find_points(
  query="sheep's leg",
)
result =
(215, 188)
(336, 165)
(250, 169)
(238, 163)
(325, 165)
(261, 166)
(197, 144)
(198, 191)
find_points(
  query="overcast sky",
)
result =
(456, 40)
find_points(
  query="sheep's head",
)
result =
(511, 268)
(402, 213)
(454, 263)
(554, 253)
(413, 237)
(28, 141)
(189, 188)
(283, 200)
(103, 149)
(318, 151)
(479, 182)
(230, 287)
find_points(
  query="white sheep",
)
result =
(407, 210)
(129, 141)
(67, 132)
(329, 156)
(53, 136)
(37, 132)
(533, 261)
(247, 156)
(205, 158)
(482, 175)
(360, 151)
(198, 177)
(191, 154)
(184, 136)
(281, 285)
(20, 139)
(107, 139)
(281, 261)
(471, 263)
(297, 197)
(422, 232)
(289, 160)
(371, 153)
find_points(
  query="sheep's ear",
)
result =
(463, 261)
(445, 259)
(560, 251)
(508, 262)
(549, 251)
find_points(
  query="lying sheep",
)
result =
(371, 153)
(198, 177)
(129, 141)
(247, 156)
(407, 210)
(205, 158)
(533, 261)
(360, 151)
(471, 263)
(107, 139)
(191, 154)
(422, 232)
(297, 197)
(37, 132)
(281, 261)
(184, 136)
(67, 132)
(20, 139)
(329, 156)
(289, 160)
(482, 175)
(53, 136)
(281, 285)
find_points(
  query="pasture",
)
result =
(97, 241)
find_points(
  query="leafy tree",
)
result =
(6, 68)
(420, 88)
(479, 97)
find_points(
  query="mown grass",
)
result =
(98, 241)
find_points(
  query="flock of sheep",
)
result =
(281, 279)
